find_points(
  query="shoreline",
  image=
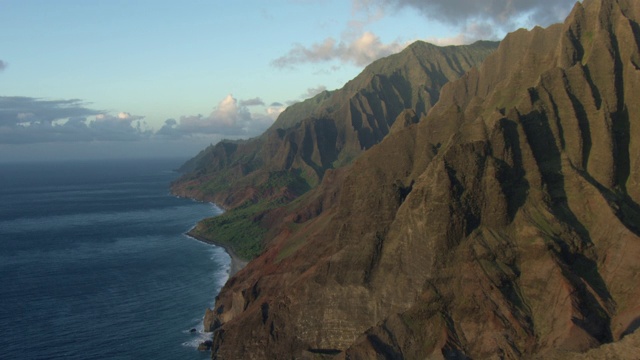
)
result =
(237, 263)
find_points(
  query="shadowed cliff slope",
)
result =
(506, 223)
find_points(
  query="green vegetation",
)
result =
(310, 178)
(233, 171)
(238, 230)
(293, 180)
(216, 184)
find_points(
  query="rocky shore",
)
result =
(237, 264)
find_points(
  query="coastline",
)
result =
(237, 263)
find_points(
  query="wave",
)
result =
(222, 275)
(197, 337)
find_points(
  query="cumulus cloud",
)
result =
(32, 120)
(122, 126)
(3, 65)
(359, 51)
(230, 118)
(275, 109)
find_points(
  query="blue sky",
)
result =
(144, 78)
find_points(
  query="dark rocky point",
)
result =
(205, 345)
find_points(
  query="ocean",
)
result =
(94, 263)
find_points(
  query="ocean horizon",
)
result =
(95, 262)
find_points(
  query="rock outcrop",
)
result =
(504, 224)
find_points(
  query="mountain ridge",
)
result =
(505, 222)
(261, 175)
(432, 66)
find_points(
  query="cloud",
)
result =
(275, 109)
(502, 14)
(3, 65)
(252, 102)
(311, 92)
(19, 109)
(471, 32)
(122, 126)
(360, 51)
(25, 120)
(230, 118)
(125, 116)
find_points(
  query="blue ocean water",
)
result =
(94, 263)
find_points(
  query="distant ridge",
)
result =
(332, 128)
(261, 175)
(505, 223)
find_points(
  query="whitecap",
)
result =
(198, 337)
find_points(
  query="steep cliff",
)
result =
(505, 223)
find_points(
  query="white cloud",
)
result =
(359, 51)
(275, 109)
(229, 118)
(125, 116)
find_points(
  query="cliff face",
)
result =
(331, 129)
(505, 223)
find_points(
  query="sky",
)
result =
(90, 79)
